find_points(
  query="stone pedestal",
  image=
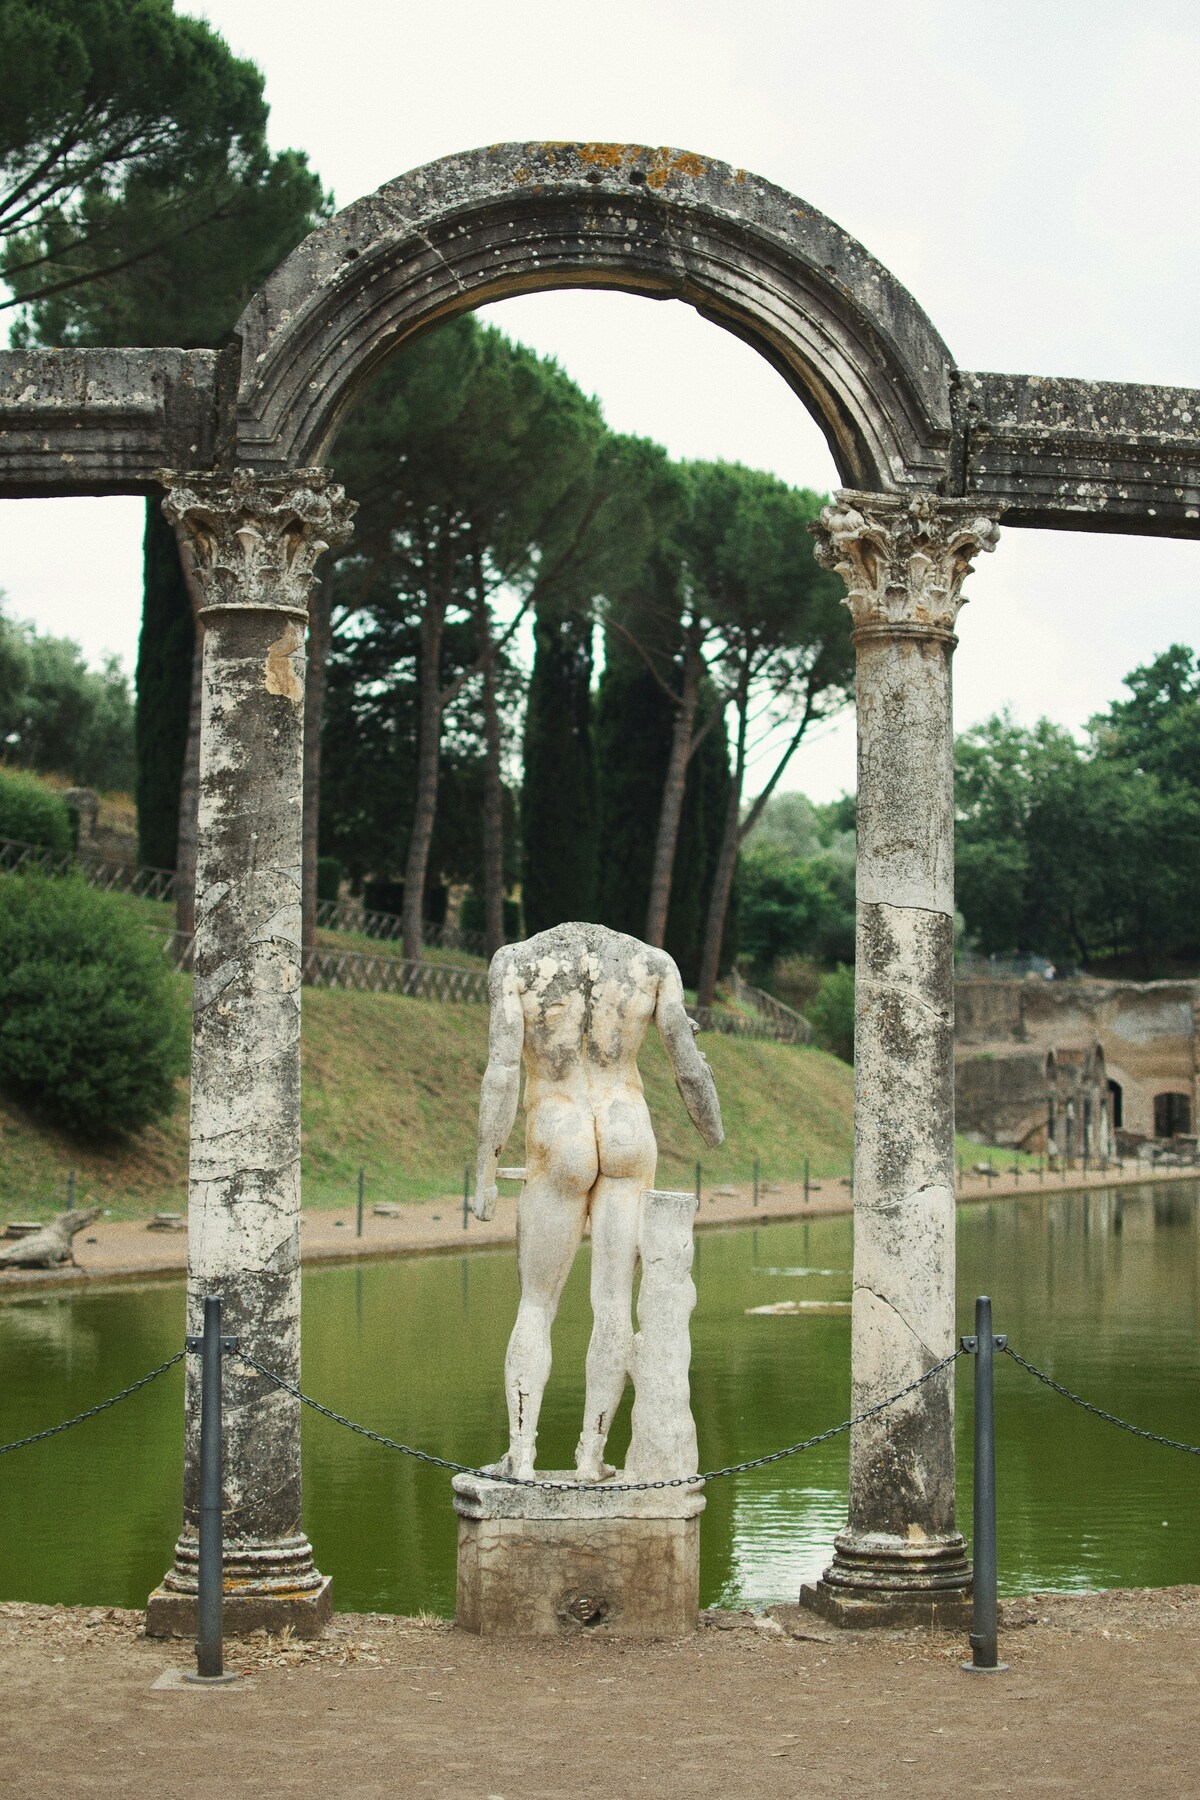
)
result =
(537, 1562)
(260, 1605)
(890, 1582)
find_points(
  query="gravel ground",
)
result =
(1100, 1700)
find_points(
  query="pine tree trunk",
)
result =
(429, 745)
(671, 810)
(319, 636)
(493, 816)
(718, 904)
(189, 787)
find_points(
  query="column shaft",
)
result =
(901, 1558)
(256, 545)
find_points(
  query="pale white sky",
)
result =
(1028, 169)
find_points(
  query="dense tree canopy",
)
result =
(1087, 851)
(139, 203)
(57, 715)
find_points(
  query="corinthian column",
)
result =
(256, 541)
(903, 559)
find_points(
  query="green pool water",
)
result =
(1102, 1290)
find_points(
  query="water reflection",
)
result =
(1103, 1290)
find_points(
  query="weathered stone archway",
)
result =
(931, 456)
(518, 218)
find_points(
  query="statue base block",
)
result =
(305, 1613)
(536, 1562)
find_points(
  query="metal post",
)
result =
(466, 1194)
(1042, 1170)
(210, 1584)
(984, 1651)
(361, 1173)
(756, 1181)
(806, 1181)
(71, 1191)
(697, 1184)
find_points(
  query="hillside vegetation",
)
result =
(392, 1085)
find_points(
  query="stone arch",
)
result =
(516, 218)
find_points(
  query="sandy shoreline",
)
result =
(125, 1250)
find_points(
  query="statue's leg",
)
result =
(615, 1210)
(550, 1219)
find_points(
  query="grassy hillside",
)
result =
(393, 1085)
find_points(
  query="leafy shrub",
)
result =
(329, 877)
(472, 916)
(795, 980)
(831, 1013)
(93, 1029)
(33, 814)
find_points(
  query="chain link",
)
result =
(608, 1487)
(1098, 1412)
(133, 1388)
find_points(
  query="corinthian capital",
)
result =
(257, 538)
(903, 558)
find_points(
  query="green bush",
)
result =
(93, 1027)
(472, 916)
(329, 877)
(831, 1013)
(32, 814)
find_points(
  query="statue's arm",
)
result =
(501, 1085)
(693, 1077)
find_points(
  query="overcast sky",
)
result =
(1027, 168)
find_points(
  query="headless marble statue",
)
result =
(575, 1002)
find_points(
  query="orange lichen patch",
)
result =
(663, 164)
(739, 175)
(603, 156)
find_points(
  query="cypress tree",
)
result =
(633, 737)
(558, 798)
(164, 686)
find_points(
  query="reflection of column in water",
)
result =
(754, 1249)
(358, 1284)
(804, 1228)
(1050, 1255)
(466, 1264)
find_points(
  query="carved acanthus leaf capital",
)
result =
(256, 537)
(903, 558)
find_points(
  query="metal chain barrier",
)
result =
(114, 1400)
(608, 1487)
(1098, 1412)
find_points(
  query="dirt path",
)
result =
(1100, 1701)
(122, 1250)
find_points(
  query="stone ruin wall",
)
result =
(1004, 1030)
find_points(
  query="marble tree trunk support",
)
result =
(256, 541)
(903, 559)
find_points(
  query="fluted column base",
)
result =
(269, 1584)
(901, 1583)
